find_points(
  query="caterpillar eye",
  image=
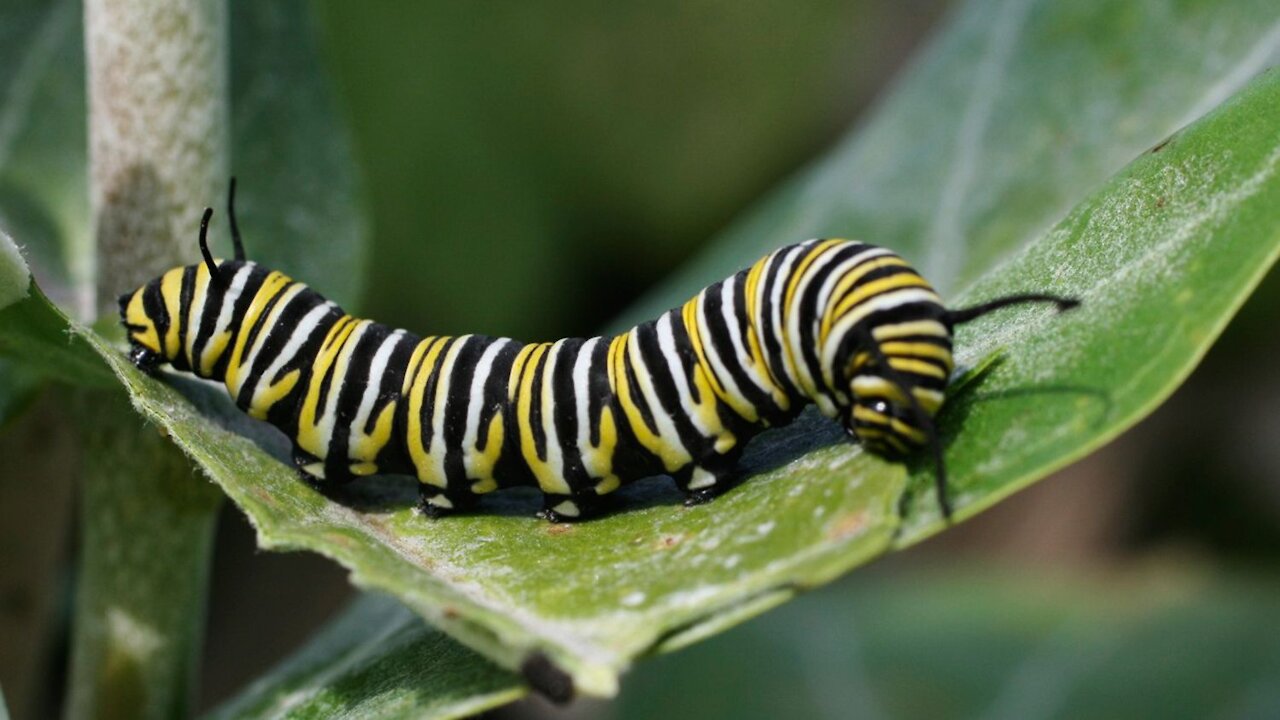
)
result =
(881, 407)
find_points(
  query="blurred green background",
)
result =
(532, 167)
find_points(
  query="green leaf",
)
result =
(15, 278)
(984, 644)
(970, 160)
(35, 337)
(377, 660)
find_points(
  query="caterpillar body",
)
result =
(848, 326)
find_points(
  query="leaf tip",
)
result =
(15, 277)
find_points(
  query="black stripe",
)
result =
(565, 412)
(186, 293)
(278, 335)
(599, 392)
(252, 285)
(154, 307)
(630, 377)
(535, 404)
(666, 388)
(811, 313)
(429, 398)
(718, 335)
(351, 392)
(456, 404)
(326, 382)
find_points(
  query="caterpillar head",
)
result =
(884, 418)
(148, 312)
(899, 386)
(148, 315)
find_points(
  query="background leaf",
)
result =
(973, 642)
(377, 660)
(1004, 123)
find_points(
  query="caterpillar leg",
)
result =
(319, 474)
(310, 468)
(435, 502)
(569, 508)
(702, 485)
(145, 360)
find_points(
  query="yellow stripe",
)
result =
(920, 367)
(758, 362)
(922, 350)
(271, 286)
(894, 331)
(548, 480)
(901, 429)
(875, 287)
(262, 401)
(414, 357)
(793, 283)
(851, 278)
(618, 368)
(272, 320)
(798, 271)
(171, 292)
(484, 463)
(739, 404)
(368, 445)
(137, 315)
(199, 294)
(421, 459)
(309, 438)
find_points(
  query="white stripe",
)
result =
(476, 404)
(793, 319)
(229, 299)
(775, 316)
(372, 389)
(306, 327)
(666, 427)
(717, 366)
(582, 398)
(667, 342)
(555, 454)
(436, 451)
(268, 327)
(324, 428)
(727, 310)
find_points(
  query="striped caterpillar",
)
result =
(848, 326)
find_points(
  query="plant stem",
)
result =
(158, 151)
(159, 132)
(147, 522)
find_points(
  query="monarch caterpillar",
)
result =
(848, 326)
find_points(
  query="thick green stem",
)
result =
(159, 130)
(159, 152)
(147, 526)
